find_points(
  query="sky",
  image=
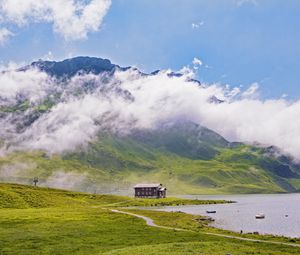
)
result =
(241, 43)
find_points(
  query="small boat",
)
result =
(211, 211)
(259, 216)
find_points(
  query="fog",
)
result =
(85, 105)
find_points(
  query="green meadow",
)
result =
(48, 221)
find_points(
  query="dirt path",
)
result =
(151, 223)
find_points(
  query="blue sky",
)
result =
(239, 41)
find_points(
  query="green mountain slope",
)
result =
(190, 159)
(187, 158)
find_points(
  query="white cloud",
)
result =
(32, 84)
(196, 25)
(133, 101)
(186, 71)
(196, 63)
(234, 92)
(11, 66)
(66, 180)
(71, 19)
(5, 34)
(252, 91)
(48, 56)
(68, 126)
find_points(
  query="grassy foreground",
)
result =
(48, 221)
(203, 247)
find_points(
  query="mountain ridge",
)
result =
(70, 67)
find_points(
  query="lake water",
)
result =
(241, 215)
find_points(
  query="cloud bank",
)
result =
(70, 18)
(88, 104)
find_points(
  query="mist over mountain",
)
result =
(92, 123)
(88, 93)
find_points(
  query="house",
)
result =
(152, 190)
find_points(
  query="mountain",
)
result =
(70, 67)
(121, 148)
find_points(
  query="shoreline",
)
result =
(145, 212)
(240, 215)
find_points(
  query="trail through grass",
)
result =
(82, 223)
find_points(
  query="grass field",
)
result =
(205, 247)
(47, 221)
(22, 196)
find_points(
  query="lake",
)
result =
(241, 215)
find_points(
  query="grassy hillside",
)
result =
(23, 196)
(62, 222)
(114, 165)
(188, 159)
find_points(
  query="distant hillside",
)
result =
(190, 159)
(187, 158)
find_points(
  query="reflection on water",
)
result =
(282, 213)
